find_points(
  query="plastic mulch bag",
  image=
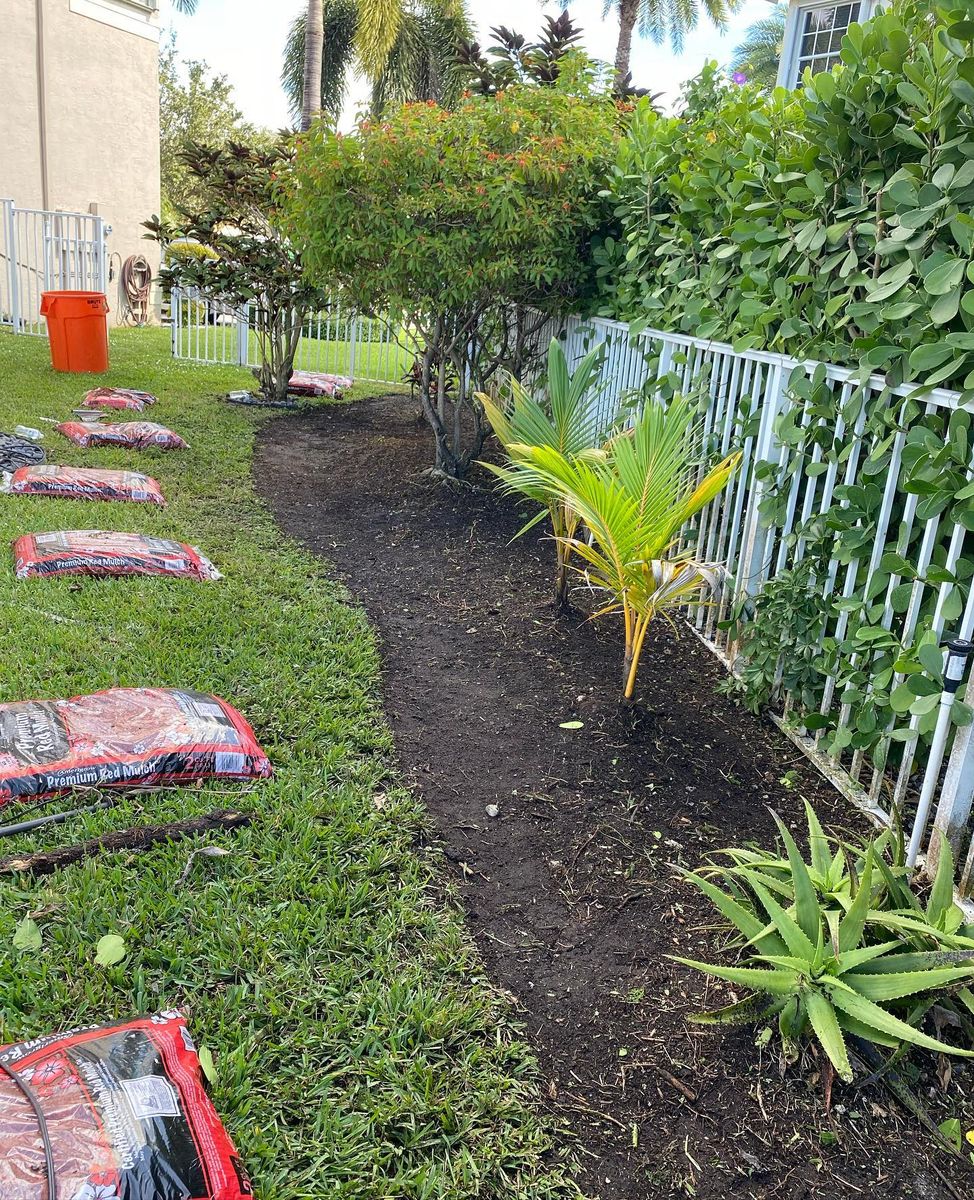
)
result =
(314, 383)
(81, 483)
(112, 397)
(125, 1117)
(132, 435)
(123, 737)
(105, 552)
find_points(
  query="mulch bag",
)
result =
(123, 737)
(131, 435)
(126, 1115)
(314, 383)
(19, 452)
(81, 483)
(105, 552)
(112, 397)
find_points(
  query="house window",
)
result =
(813, 36)
(820, 36)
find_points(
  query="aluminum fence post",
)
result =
(243, 336)
(102, 232)
(957, 793)
(13, 262)
(955, 664)
(354, 325)
(752, 568)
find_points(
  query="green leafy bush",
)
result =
(840, 948)
(458, 222)
(832, 222)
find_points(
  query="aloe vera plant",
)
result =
(840, 947)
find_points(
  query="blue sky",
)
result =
(244, 39)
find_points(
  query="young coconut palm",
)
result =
(633, 501)
(573, 423)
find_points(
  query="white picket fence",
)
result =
(748, 394)
(339, 340)
(744, 396)
(43, 251)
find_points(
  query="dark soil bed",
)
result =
(571, 890)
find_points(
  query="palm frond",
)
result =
(379, 25)
(759, 53)
(672, 20)
(423, 63)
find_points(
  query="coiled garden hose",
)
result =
(28, 1094)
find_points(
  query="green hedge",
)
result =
(832, 222)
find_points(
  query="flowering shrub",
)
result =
(230, 244)
(458, 222)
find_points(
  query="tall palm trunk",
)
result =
(313, 42)
(628, 12)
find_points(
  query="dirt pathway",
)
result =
(571, 890)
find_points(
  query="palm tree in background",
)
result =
(314, 36)
(759, 53)
(662, 20)
(411, 54)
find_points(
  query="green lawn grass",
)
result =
(387, 362)
(360, 1051)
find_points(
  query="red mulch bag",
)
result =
(81, 483)
(131, 435)
(124, 737)
(314, 383)
(126, 1113)
(105, 552)
(111, 397)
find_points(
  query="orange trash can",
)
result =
(77, 328)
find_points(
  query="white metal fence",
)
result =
(811, 439)
(43, 251)
(827, 446)
(339, 340)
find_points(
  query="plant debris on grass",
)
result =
(359, 1051)
(564, 819)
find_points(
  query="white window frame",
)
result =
(788, 67)
(133, 16)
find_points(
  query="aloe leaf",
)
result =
(894, 986)
(921, 960)
(754, 1008)
(750, 925)
(851, 960)
(853, 923)
(806, 902)
(791, 932)
(822, 1016)
(941, 899)
(874, 1017)
(818, 843)
(868, 1034)
(774, 982)
(966, 997)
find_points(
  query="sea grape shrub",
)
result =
(248, 258)
(473, 226)
(831, 222)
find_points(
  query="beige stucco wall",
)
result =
(101, 115)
